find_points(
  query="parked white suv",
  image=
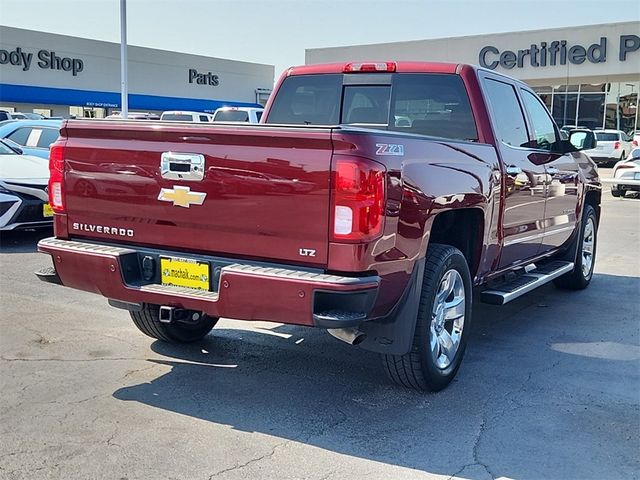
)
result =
(613, 146)
(238, 114)
(179, 116)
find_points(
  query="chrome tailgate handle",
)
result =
(182, 166)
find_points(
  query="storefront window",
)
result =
(546, 99)
(564, 108)
(591, 110)
(594, 105)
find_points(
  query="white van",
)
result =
(177, 116)
(238, 114)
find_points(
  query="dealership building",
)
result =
(59, 75)
(588, 76)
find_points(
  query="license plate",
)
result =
(47, 211)
(182, 272)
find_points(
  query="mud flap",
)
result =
(393, 334)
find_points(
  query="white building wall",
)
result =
(467, 50)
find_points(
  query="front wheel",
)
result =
(582, 272)
(442, 326)
(617, 193)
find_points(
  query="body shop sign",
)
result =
(44, 59)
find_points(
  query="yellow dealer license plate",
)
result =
(182, 272)
(47, 211)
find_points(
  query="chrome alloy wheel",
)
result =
(447, 319)
(588, 238)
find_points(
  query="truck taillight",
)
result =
(56, 178)
(357, 199)
(616, 146)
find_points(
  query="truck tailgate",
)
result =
(263, 191)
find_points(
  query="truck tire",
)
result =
(148, 322)
(617, 193)
(439, 342)
(582, 272)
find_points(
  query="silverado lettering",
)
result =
(87, 227)
(411, 186)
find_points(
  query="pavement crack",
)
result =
(138, 370)
(475, 450)
(110, 442)
(250, 462)
(70, 360)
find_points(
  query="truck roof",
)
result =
(402, 67)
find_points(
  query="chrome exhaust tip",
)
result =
(351, 335)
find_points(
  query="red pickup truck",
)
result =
(371, 201)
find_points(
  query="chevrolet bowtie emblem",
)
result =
(181, 196)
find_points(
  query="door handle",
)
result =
(513, 170)
(552, 170)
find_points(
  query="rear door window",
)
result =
(510, 127)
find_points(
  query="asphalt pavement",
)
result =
(549, 388)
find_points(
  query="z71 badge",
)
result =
(390, 149)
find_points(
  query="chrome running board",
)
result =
(512, 289)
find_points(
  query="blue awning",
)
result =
(88, 98)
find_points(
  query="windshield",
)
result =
(231, 116)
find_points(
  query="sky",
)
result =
(276, 32)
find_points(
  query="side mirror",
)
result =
(582, 139)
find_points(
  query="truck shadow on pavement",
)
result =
(542, 374)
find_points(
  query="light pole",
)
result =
(124, 93)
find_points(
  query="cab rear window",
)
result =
(426, 104)
(177, 117)
(607, 136)
(232, 116)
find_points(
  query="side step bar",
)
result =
(512, 289)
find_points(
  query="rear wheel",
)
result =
(582, 272)
(442, 326)
(194, 327)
